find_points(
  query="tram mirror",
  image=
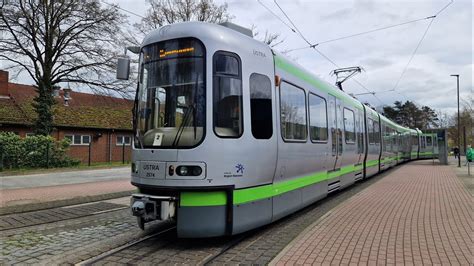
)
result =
(123, 68)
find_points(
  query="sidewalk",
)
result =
(40, 191)
(64, 177)
(419, 214)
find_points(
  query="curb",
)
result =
(61, 203)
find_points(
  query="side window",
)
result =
(292, 112)
(227, 96)
(429, 141)
(349, 126)
(318, 122)
(376, 133)
(360, 139)
(370, 131)
(261, 106)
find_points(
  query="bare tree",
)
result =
(163, 12)
(60, 41)
(443, 119)
(272, 39)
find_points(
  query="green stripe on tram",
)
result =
(211, 198)
(372, 163)
(302, 74)
(194, 199)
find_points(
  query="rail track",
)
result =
(109, 253)
(53, 215)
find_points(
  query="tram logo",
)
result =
(240, 168)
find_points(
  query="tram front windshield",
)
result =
(170, 102)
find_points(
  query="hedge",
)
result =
(33, 152)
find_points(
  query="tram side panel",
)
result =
(259, 105)
(373, 142)
(299, 158)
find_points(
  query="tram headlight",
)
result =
(182, 170)
(197, 171)
(189, 170)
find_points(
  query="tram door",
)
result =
(336, 120)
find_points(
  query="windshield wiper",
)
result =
(194, 105)
(134, 121)
(179, 133)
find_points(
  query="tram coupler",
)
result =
(149, 208)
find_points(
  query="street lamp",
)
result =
(459, 123)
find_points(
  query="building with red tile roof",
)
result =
(100, 123)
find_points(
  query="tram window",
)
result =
(376, 133)
(349, 126)
(360, 140)
(318, 122)
(261, 106)
(386, 138)
(227, 96)
(428, 141)
(370, 131)
(292, 112)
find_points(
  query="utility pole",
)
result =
(459, 123)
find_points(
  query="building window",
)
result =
(261, 106)
(228, 118)
(349, 126)
(121, 140)
(78, 139)
(292, 112)
(318, 122)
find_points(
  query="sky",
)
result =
(446, 49)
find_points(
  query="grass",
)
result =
(27, 171)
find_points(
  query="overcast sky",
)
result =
(447, 48)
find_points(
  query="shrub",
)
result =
(34, 151)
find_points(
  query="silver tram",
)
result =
(230, 135)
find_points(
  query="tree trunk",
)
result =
(44, 102)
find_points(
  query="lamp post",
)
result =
(459, 123)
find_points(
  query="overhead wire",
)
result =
(125, 10)
(275, 15)
(413, 54)
(295, 27)
(418, 46)
(317, 50)
(358, 34)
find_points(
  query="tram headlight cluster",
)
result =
(185, 170)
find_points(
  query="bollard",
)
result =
(47, 154)
(123, 152)
(1, 157)
(89, 159)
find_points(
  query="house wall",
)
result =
(103, 147)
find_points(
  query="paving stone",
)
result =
(417, 209)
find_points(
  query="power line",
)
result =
(371, 31)
(358, 34)
(413, 54)
(275, 15)
(442, 9)
(118, 7)
(288, 18)
(418, 46)
(317, 50)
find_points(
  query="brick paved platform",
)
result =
(419, 214)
